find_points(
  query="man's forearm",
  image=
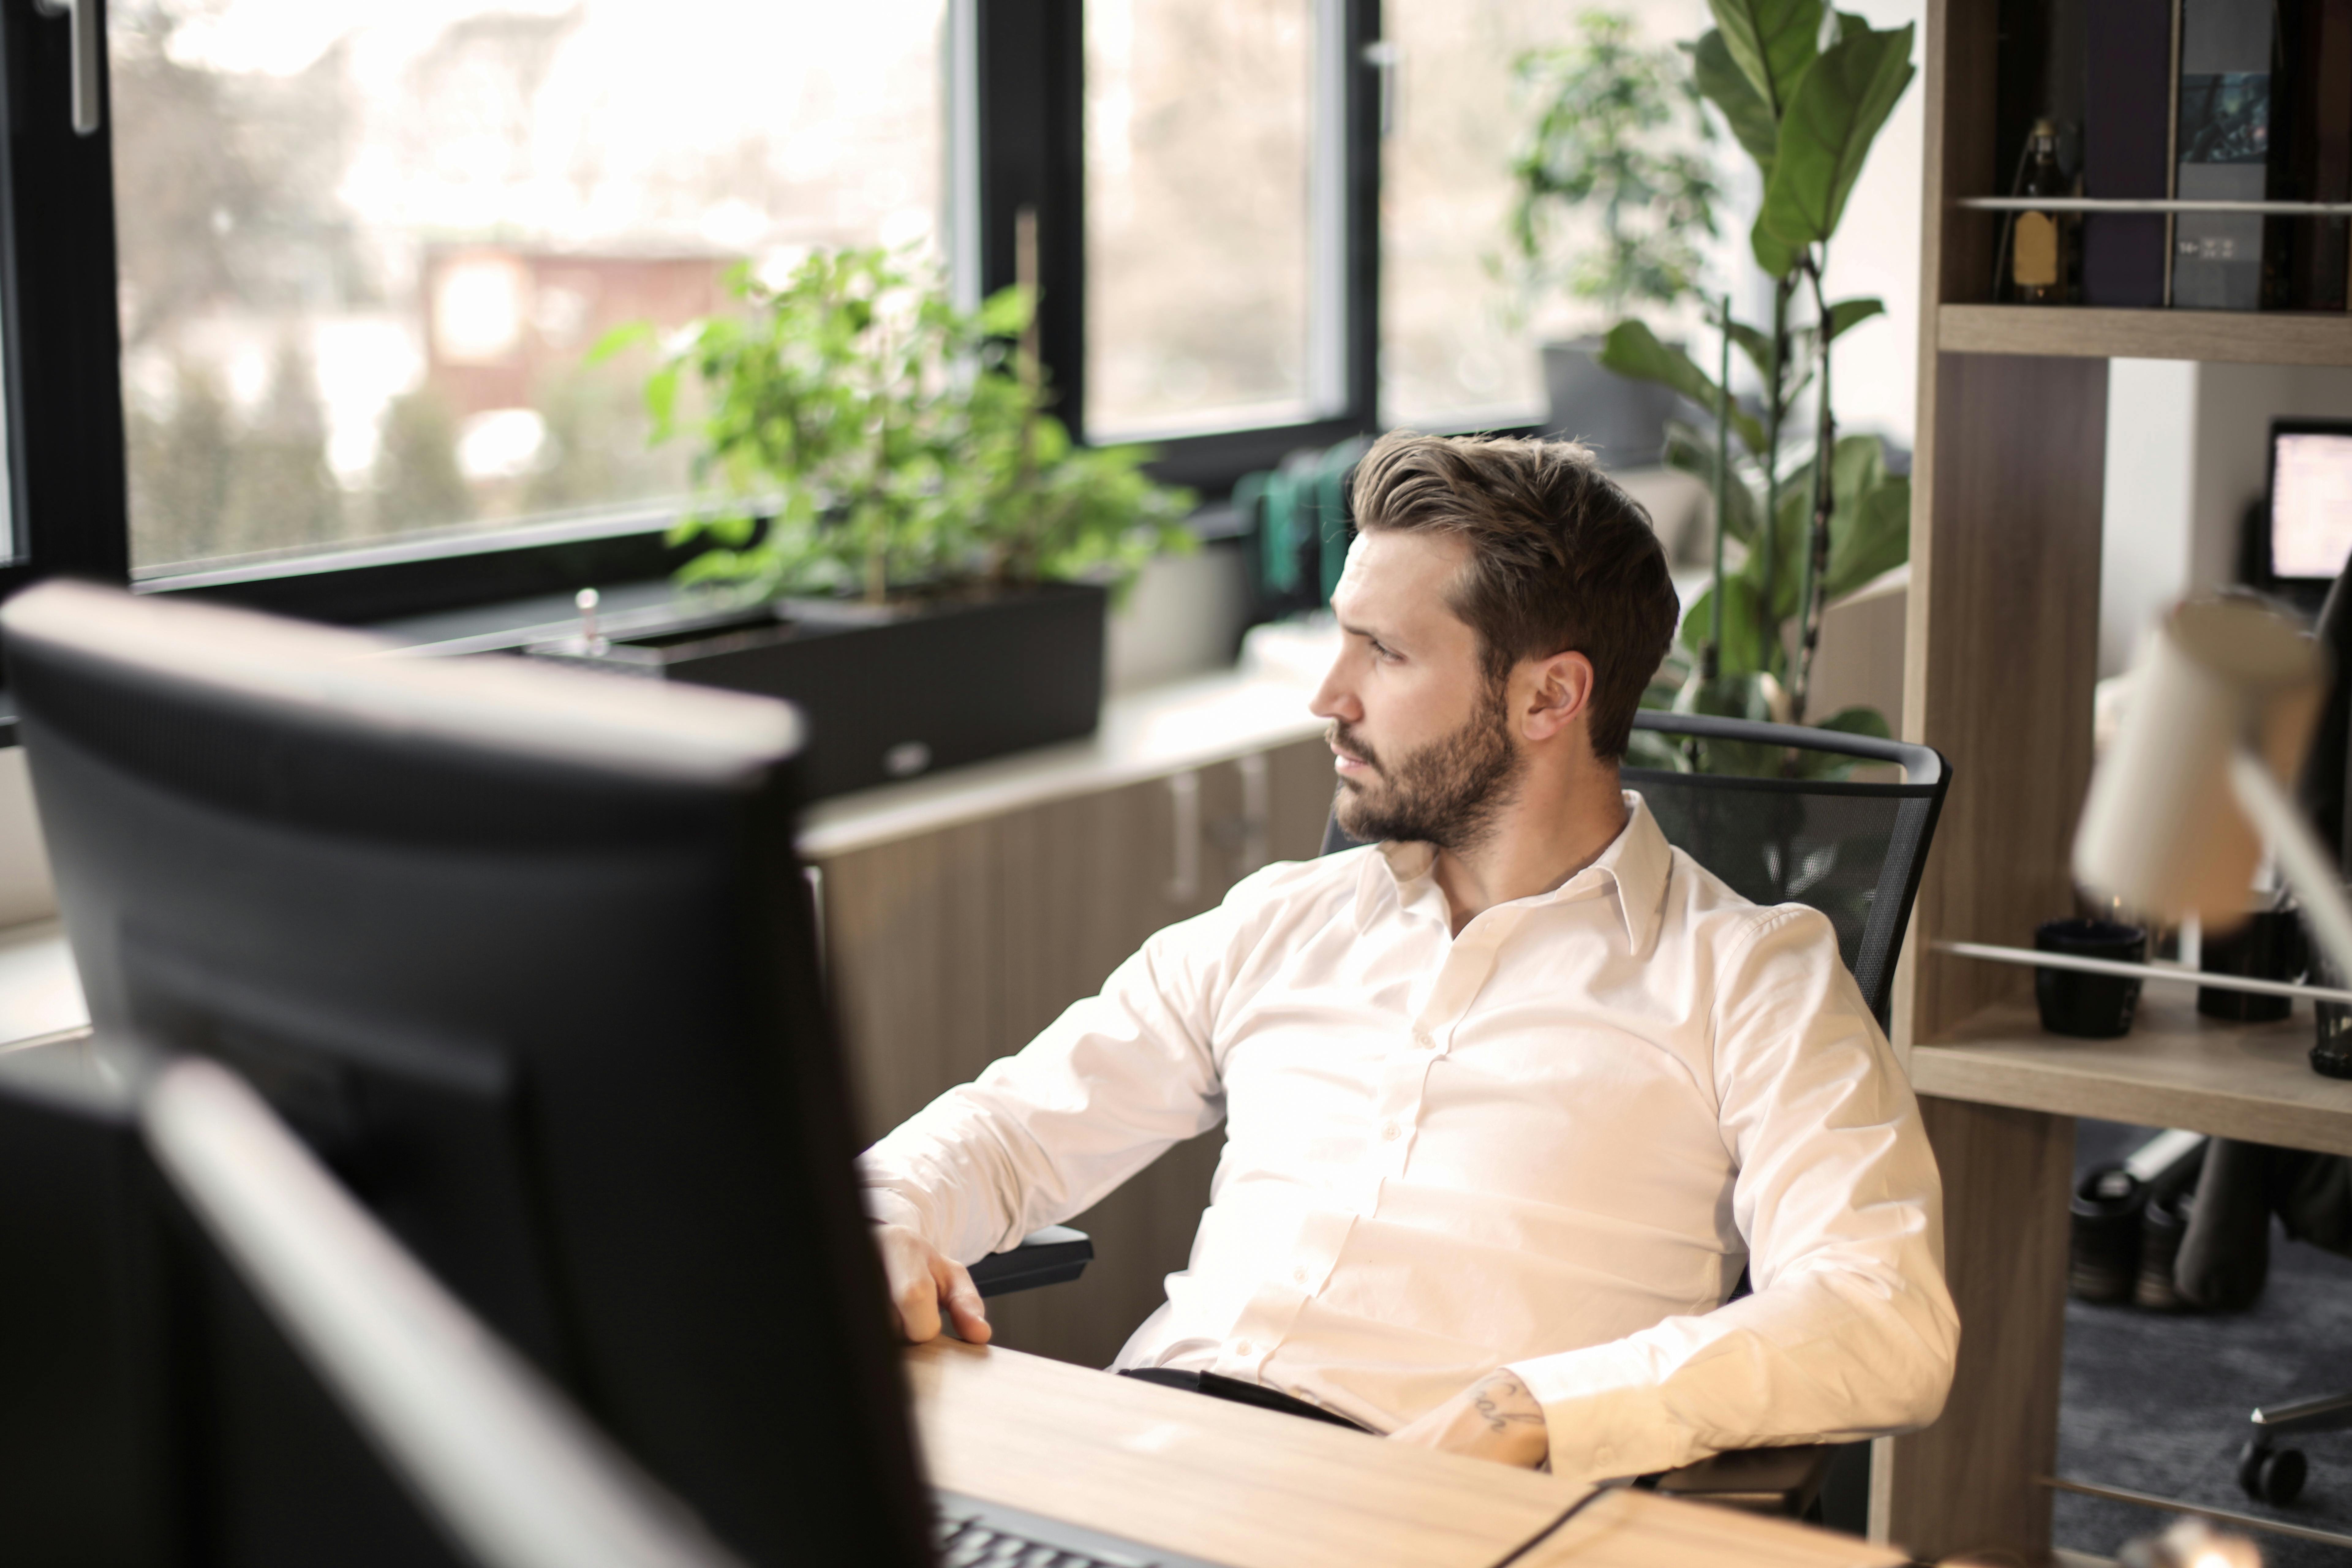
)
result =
(1495, 1418)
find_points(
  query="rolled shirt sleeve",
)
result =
(1044, 1134)
(1850, 1332)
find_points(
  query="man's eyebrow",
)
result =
(1374, 633)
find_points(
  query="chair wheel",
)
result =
(2274, 1475)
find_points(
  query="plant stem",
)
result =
(1817, 543)
(1768, 533)
(1711, 662)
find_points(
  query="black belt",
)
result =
(1220, 1387)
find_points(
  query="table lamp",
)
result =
(2223, 705)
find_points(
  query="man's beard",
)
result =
(1445, 794)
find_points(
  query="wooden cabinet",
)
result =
(954, 946)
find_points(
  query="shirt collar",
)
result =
(1637, 863)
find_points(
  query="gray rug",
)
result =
(2158, 1403)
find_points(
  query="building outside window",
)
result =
(365, 250)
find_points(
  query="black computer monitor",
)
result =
(526, 956)
(2307, 534)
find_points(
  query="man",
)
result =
(1510, 1096)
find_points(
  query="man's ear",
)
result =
(1559, 696)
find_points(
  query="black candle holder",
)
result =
(2089, 1006)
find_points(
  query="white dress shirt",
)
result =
(1551, 1143)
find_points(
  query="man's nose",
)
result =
(1335, 700)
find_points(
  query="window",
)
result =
(1199, 149)
(1454, 351)
(364, 249)
(310, 309)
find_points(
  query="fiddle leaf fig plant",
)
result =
(859, 433)
(1804, 90)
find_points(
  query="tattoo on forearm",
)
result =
(1501, 1400)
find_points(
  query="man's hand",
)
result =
(1494, 1418)
(922, 1278)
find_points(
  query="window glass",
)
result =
(366, 247)
(1459, 336)
(1198, 142)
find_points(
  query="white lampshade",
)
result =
(2162, 831)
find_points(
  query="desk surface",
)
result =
(1258, 1489)
(2176, 1068)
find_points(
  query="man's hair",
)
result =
(1561, 560)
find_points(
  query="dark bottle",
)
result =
(2039, 262)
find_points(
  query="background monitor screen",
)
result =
(2311, 503)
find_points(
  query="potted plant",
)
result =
(902, 538)
(1614, 188)
(1805, 92)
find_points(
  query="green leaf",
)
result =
(1792, 524)
(1777, 257)
(625, 336)
(661, 400)
(1722, 83)
(1692, 450)
(1848, 314)
(1007, 312)
(1743, 632)
(1772, 42)
(1876, 539)
(1633, 350)
(1754, 343)
(1831, 117)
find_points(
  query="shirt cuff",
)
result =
(1604, 1413)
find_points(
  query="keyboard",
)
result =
(977, 1534)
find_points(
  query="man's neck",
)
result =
(1548, 833)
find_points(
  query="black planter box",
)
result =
(891, 693)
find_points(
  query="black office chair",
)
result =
(1851, 849)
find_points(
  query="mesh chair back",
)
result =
(1852, 850)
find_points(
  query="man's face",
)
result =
(1420, 739)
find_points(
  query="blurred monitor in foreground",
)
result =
(2310, 531)
(525, 958)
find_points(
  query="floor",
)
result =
(2158, 1404)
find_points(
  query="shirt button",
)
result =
(1389, 1133)
(1243, 1348)
(1421, 1038)
(1298, 1276)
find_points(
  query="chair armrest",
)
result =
(1781, 1481)
(1053, 1256)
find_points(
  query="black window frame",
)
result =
(62, 361)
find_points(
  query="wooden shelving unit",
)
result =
(2176, 1068)
(2243, 337)
(2007, 483)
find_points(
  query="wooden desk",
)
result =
(1999, 1097)
(1259, 1489)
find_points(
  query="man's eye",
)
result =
(1381, 649)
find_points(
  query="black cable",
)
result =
(1546, 1533)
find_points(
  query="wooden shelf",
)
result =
(2243, 337)
(2176, 1068)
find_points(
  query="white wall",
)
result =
(2145, 543)
(1875, 383)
